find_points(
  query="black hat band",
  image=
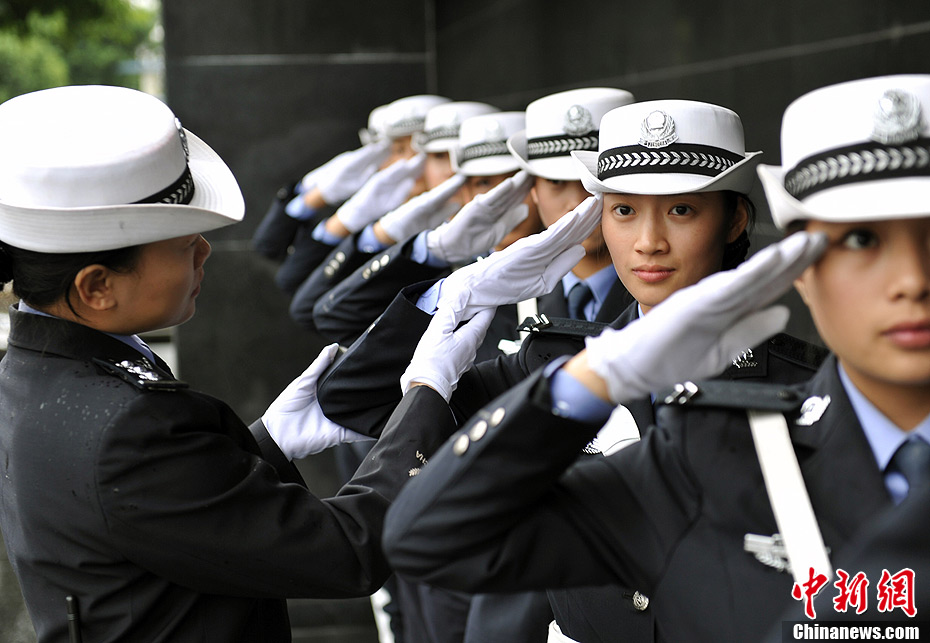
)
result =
(867, 161)
(674, 158)
(562, 145)
(181, 191)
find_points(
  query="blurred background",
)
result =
(278, 87)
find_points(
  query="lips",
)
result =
(652, 274)
(912, 335)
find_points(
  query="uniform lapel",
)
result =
(844, 483)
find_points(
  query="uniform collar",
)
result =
(52, 335)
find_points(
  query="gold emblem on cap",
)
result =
(578, 121)
(657, 130)
(897, 117)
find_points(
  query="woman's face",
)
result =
(162, 289)
(555, 199)
(662, 243)
(438, 168)
(869, 296)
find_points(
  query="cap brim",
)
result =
(895, 198)
(739, 178)
(217, 202)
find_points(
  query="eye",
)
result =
(859, 239)
(681, 210)
(622, 210)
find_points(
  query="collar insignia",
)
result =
(578, 121)
(745, 359)
(657, 130)
(897, 117)
(812, 410)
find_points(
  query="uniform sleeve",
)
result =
(329, 270)
(504, 506)
(185, 496)
(346, 310)
(362, 387)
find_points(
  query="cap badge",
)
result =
(812, 410)
(897, 117)
(494, 132)
(183, 135)
(578, 121)
(657, 130)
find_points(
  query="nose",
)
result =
(651, 238)
(911, 270)
(203, 251)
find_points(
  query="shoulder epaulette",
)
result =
(760, 396)
(141, 373)
(543, 324)
(798, 351)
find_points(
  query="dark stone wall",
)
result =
(753, 56)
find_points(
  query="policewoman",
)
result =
(150, 504)
(665, 226)
(689, 514)
(497, 210)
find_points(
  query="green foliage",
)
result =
(46, 43)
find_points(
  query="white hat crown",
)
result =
(94, 167)
(854, 151)
(669, 147)
(443, 123)
(561, 123)
(407, 115)
(482, 147)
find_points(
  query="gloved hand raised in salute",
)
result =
(483, 222)
(337, 179)
(530, 267)
(422, 212)
(697, 332)
(382, 193)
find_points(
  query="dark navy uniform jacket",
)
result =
(504, 505)
(362, 387)
(159, 509)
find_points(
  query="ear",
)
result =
(534, 196)
(739, 220)
(800, 284)
(94, 287)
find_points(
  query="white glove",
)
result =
(382, 193)
(698, 331)
(295, 420)
(483, 222)
(342, 176)
(423, 212)
(530, 267)
(445, 350)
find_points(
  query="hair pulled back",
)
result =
(42, 279)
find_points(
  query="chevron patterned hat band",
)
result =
(674, 158)
(554, 146)
(483, 150)
(868, 161)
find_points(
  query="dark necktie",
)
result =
(578, 297)
(912, 460)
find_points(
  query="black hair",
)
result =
(734, 253)
(43, 278)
